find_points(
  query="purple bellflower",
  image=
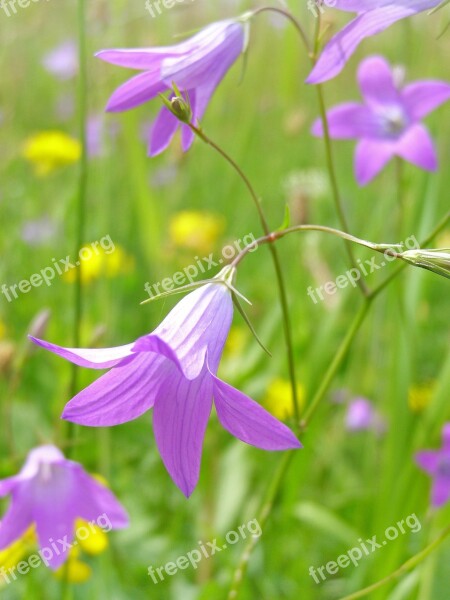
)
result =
(51, 493)
(173, 370)
(196, 66)
(388, 124)
(374, 16)
(437, 464)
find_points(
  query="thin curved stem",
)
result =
(292, 19)
(407, 566)
(276, 261)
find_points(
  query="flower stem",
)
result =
(276, 261)
(263, 514)
(66, 591)
(407, 566)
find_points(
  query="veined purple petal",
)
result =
(248, 421)
(180, 417)
(92, 358)
(423, 97)
(360, 6)
(139, 58)
(416, 146)
(377, 82)
(349, 121)
(162, 132)
(370, 158)
(197, 325)
(221, 45)
(121, 395)
(341, 47)
(136, 91)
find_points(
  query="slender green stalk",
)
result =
(263, 514)
(66, 591)
(407, 566)
(276, 261)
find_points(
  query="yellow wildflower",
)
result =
(236, 341)
(279, 401)
(196, 230)
(49, 150)
(74, 569)
(101, 263)
(95, 542)
(420, 396)
(17, 551)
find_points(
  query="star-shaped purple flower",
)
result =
(437, 464)
(388, 124)
(374, 16)
(196, 66)
(52, 492)
(173, 370)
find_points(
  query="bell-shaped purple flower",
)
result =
(388, 124)
(437, 464)
(51, 493)
(196, 66)
(173, 370)
(374, 16)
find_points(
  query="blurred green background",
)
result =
(343, 485)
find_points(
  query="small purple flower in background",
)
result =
(437, 464)
(39, 231)
(374, 16)
(173, 370)
(51, 493)
(196, 66)
(62, 61)
(362, 416)
(388, 124)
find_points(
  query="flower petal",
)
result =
(135, 91)
(18, 518)
(423, 97)
(163, 130)
(416, 146)
(341, 47)
(349, 121)
(428, 460)
(148, 59)
(248, 421)
(440, 493)
(180, 417)
(121, 395)
(370, 158)
(95, 502)
(218, 47)
(92, 358)
(197, 325)
(377, 82)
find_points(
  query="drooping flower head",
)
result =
(374, 16)
(173, 370)
(437, 464)
(196, 66)
(51, 493)
(388, 124)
